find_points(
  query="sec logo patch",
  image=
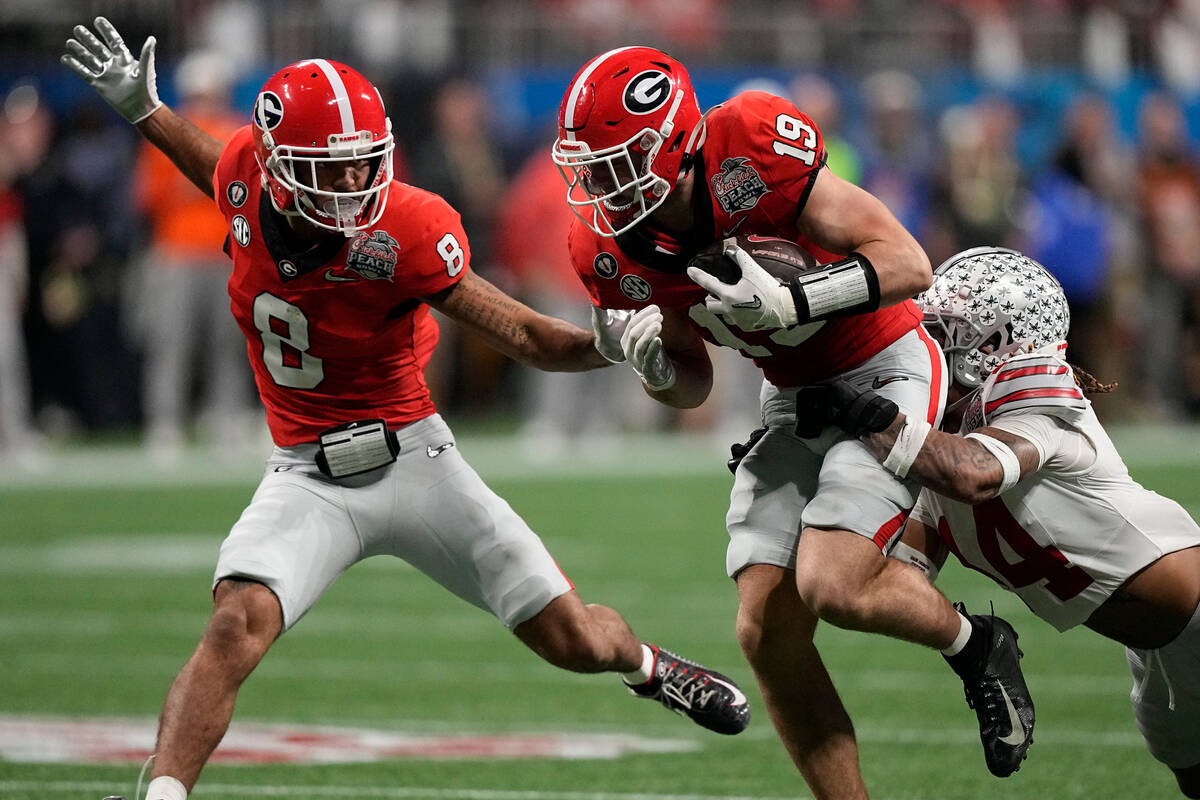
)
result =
(635, 288)
(241, 230)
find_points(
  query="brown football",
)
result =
(779, 257)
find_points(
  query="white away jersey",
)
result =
(1066, 537)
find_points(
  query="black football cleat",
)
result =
(995, 689)
(708, 698)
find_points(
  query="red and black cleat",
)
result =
(708, 698)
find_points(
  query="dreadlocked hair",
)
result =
(1088, 382)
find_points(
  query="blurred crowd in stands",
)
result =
(965, 118)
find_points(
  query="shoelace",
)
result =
(990, 688)
(988, 692)
(1147, 673)
(137, 795)
(690, 684)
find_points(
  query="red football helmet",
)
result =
(315, 114)
(626, 125)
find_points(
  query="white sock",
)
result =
(164, 787)
(964, 633)
(644, 672)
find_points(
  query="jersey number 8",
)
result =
(452, 253)
(285, 343)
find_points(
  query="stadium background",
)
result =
(1066, 129)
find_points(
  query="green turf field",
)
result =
(105, 588)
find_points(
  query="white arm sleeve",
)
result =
(1060, 446)
(1009, 462)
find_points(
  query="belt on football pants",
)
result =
(353, 448)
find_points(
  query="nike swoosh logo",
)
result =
(434, 452)
(880, 381)
(739, 699)
(1017, 735)
(730, 230)
(330, 275)
(755, 303)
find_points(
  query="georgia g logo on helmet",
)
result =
(268, 111)
(647, 92)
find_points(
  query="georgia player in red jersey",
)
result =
(335, 266)
(653, 182)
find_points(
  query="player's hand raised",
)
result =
(108, 66)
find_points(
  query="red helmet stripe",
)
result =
(340, 95)
(580, 82)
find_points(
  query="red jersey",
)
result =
(336, 329)
(754, 172)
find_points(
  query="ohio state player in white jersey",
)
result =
(335, 266)
(1032, 493)
(653, 181)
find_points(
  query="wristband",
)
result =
(837, 289)
(1007, 458)
(908, 444)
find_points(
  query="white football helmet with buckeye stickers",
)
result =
(990, 303)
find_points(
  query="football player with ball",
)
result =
(657, 186)
(335, 267)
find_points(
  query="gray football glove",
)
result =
(644, 349)
(609, 325)
(108, 66)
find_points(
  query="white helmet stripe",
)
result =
(573, 97)
(339, 93)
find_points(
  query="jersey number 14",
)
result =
(1035, 562)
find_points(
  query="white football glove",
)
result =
(126, 85)
(756, 302)
(608, 325)
(644, 349)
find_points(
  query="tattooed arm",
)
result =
(959, 468)
(515, 329)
